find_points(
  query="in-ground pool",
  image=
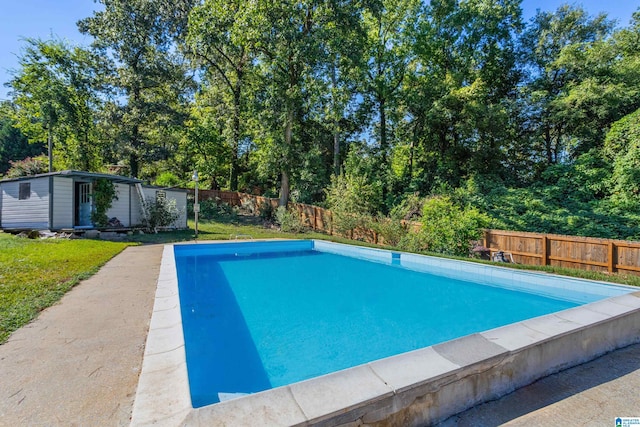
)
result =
(261, 315)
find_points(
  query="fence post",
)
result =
(545, 250)
(486, 238)
(612, 263)
(315, 218)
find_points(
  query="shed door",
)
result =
(84, 204)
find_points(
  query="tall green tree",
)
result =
(217, 41)
(55, 98)
(148, 84)
(284, 34)
(389, 28)
(460, 89)
(548, 35)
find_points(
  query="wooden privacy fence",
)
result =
(584, 253)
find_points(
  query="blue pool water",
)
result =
(257, 316)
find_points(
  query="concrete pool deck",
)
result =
(79, 362)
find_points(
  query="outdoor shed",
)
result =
(64, 201)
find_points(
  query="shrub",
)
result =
(29, 166)
(446, 228)
(391, 230)
(351, 199)
(161, 212)
(289, 221)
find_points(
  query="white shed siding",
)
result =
(136, 207)
(120, 206)
(181, 204)
(30, 213)
(62, 203)
(150, 194)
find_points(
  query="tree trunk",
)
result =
(134, 157)
(50, 148)
(284, 189)
(284, 181)
(547, 144)
(383, 131)
(336, 132)
(233, 179)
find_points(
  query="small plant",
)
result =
(104, 193)
(160, 212)
(391, 230)
(289, 221)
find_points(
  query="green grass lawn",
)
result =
(35, 274)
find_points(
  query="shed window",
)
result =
(25, 191)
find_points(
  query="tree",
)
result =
(217, 42)
(288, 52)
(389, 28)
(622, 149)
(147, 81)
(460, 90)
(55, 99)
(14, 145)
(543, 43)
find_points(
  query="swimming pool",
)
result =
(402, 374)
(257, 316)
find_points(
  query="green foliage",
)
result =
(55, 94)
(266, 211)
(14, 145)
(161, 212)
(27, 167)
(353, 201)
(391, 230)
(104, 193)
(446, 228)
(167, 179)
(289, 221)
(622, 147)
(214, 210)
(135, 39)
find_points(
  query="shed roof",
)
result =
(81, 174)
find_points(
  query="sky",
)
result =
(20, 19)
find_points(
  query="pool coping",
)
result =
(419, 387)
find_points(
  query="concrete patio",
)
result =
(78, 363)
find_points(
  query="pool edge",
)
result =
(423, 386)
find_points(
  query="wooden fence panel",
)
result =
(584, 253)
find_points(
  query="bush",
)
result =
(161, 212)
(29, 166)
(391, 230)
(289, 221)
(446, 228)
(214, 210)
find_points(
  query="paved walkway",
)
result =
(78, 364)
